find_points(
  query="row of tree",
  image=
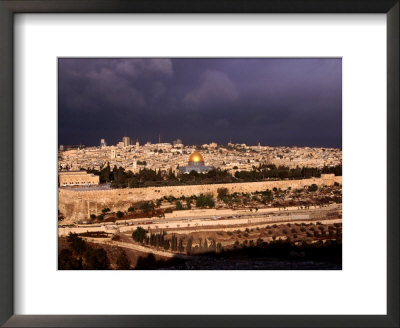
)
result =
(272, 172)
(119, 178)
(203, 247)
(175, 244)
(158, 240)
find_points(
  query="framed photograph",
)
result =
(205, 192)
(202, 164)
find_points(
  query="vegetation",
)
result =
(96, 259)
(123, 262)
(278, 254)
(205, 201)
(60, 216)
(331, 250)
(147, 206)
(222, 193)
(139, 235)
(313, 187)
(77, 244)
(105, 210)
(189, 245)
(82, 256)
(119, 178)
(178, 205)
(66, 261)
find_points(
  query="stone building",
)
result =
(126, 141)
(77, 178)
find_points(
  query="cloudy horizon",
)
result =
(277, 102)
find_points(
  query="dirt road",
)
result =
(137, 248)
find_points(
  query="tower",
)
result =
(113, 153)
(102, 143)
(126, 141)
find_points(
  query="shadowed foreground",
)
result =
(275, 255)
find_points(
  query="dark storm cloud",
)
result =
(272, 101)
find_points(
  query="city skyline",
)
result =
(277, 102)
(133, 142)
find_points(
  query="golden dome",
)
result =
(196, 157)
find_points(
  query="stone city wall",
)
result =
(76, 204)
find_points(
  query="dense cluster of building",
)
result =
(174, 156)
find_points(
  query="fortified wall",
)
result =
(77, 204)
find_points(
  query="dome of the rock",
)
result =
(196, 163)
(196, 157)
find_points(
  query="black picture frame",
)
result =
(10, 7)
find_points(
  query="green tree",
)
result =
(205, 201)
(338, 170)
(268, 195)
(313, 187)
(180, 247)
(77, 244)
(205, 245)
(105, 174)
(146, 206)
(189, 246)
(96, 259)
(222, 193)
(120, 214)
(67, 262)
(166, 244)
(178, 205)
(139, 234)
(123, 262)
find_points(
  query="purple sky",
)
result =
(272, 101)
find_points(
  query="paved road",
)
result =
(206, 221)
